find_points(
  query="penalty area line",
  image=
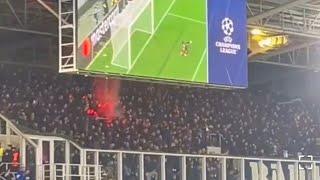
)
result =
(198, 66)
(187, 18)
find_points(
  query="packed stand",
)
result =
(154, 117)
(10, 164)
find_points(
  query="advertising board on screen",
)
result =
(186, 41)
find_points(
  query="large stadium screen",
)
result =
(191, 41)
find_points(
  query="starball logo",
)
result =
(228, 29)
(227, 47)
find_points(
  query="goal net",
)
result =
(136, 17)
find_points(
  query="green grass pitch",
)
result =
(158, 55)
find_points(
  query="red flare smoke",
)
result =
(106, 95)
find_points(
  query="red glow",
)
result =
(92, 113)
(107, 110)
(86, 48)
(106, 94)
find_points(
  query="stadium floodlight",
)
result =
(273, 41)
(137, 17)
(257, 32)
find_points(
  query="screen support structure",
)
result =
(67, 36)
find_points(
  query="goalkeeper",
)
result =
(185, 48)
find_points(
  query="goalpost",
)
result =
(138, 15)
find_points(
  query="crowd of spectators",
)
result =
(10, 164)
(155, 117)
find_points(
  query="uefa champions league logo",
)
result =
(227, 28)
(227, 46)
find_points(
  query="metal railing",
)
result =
(62, 171)
(144, 165)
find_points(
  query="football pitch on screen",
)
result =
(158, 52)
